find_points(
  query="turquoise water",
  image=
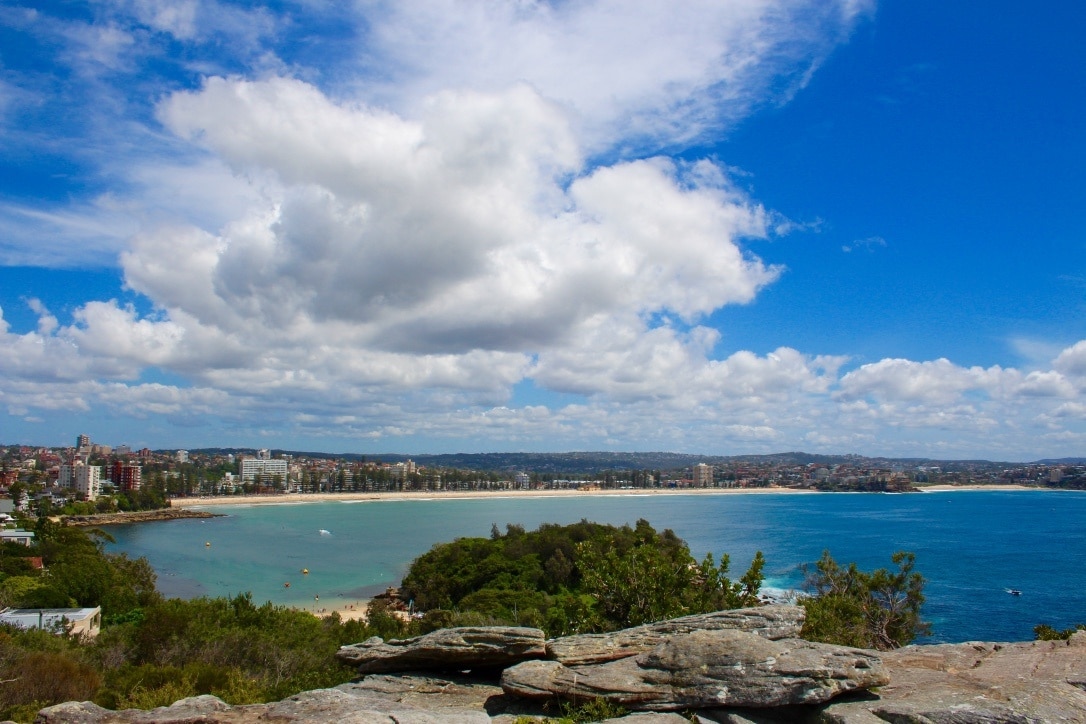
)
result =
(971, 546)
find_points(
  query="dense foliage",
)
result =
(578, 578)
(75, 573)
(151, 651)
(877, 610)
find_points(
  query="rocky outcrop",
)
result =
(771, 622)
(707, 669)
(450, 648)
(1035, 681)
(136, 516)
(743, 675)
(347, 704)
(196, 709)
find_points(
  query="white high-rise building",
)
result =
(263, 468)
(703, 476)
(85, 479)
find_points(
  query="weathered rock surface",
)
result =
(196, 709)
(648, 717)
(347, 704)
(136, 516)
(977, 682)
(450, 648)
(725, 676)
(707, 669)
(427, 692)
(772, 622)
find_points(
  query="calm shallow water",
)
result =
(971, 546)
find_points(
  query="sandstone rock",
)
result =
(707, 669)
(195, 710)
(343, 706)
(775, 715)
(427, 692)
(771, 622)
(323, 706)
(451, 648)
(648, 717)
(976, 682)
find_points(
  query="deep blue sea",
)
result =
(971, 546)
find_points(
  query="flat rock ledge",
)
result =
(771, 622)
(451, 648)
(341, 705)
(1009, 683)
(136, 516)
(705, 669)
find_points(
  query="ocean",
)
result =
(971, 546)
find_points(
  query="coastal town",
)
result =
(97, 477)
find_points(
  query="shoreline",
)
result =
(302, 498)
(136, 516)
(356, 497)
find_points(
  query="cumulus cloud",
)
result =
(1072, 361)
(459, 251)
(394, 244)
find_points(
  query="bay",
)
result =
(971, 546)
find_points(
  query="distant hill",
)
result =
(574, 463)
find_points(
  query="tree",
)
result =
(579, 578)
(879, 610)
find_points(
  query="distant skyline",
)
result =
(438, 226)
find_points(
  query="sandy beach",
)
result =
(355, 611)
(951, 488)
(294, 498)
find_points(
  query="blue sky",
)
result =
(445, 225)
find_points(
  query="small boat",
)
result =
(207, 545)
(286, 585)
(1014, 592)
(322, 531)
(305, 571)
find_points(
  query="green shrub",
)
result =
(1044, 632)
(44, 678)
(592, 577)
(877, 610)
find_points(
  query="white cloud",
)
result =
(637, 71)
(1072, 361)
(869, 244)
(387, 256)
(441, 236)
(939, 381)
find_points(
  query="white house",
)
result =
(76, 621)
